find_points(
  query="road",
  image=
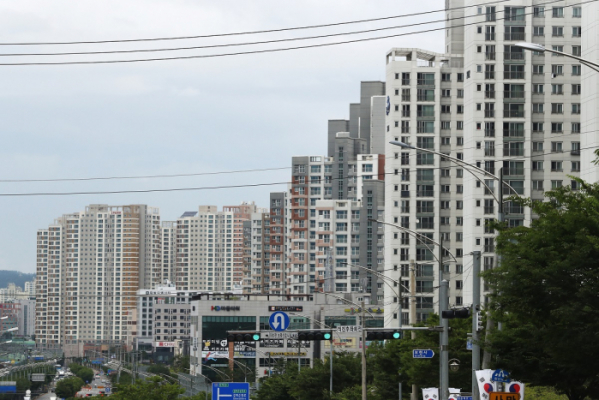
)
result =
(96, 386)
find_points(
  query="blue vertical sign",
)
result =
(230, 391)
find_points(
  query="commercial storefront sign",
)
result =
(224, 308)
(305, 344)
(272, 343)
(286, 308)
(220, 349)
(164, 344)
(342, 343)
(287, 353)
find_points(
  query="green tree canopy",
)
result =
(546, 294)
(68, 387)
(154, 388)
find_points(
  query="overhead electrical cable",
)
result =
(249, 32)
(257, 51)
(228, 186)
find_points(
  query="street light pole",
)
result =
(363, 352)
(475, 309)
(444, 341)
(540, 48)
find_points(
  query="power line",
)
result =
(258, 51)
(233, 171)
(248, 32)
(142, 176)
(243, 43)
(231, 186)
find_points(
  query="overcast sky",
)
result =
(174, 117)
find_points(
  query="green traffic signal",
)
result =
(396, 335)
(256, 337)
(327, 336)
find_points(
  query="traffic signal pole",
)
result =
(475, 322)
(363, 352)
(444, 341)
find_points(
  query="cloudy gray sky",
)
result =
(173, 117)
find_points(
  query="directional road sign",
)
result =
(230, 391)
(279, 335)
(501, 375)
(464, 398)
(349, 328)
(423, 353)
(278, 321)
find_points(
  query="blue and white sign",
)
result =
(230, 391)
(278, 321)
(469, 344)
(501, 375)
(428, 353)
(464, 398)
(107, 390)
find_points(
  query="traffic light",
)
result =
(386, 334)
(450, 314)
(243, 337)
(318, 334)
(478, 317)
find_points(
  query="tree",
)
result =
(153, 388)
(181, 363)
(546, 294)
(86, 374)
(159, 369)
(69, 387)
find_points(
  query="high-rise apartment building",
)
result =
(90, 265)
(169, 251)
(210, 248)
(492, 105)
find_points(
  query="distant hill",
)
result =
(16, 277)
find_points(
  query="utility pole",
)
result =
(489, 326)
(363, 351)
(475, 309)
(444, 340)
(414, 395)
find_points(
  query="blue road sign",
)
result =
(107, 390)
(423, 353)
(278, 321)
(464, 398)
(230, 391)
(501, 375)
(469, 344)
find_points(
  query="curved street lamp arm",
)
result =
(383, 277)
(459, 162)
(216, 370)
(418, 236)
(347, 301)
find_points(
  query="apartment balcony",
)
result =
(513, 171)
(514, 36)
(490, 94)
(575, 152)
(405, 82)
(425, 193)
(513, 113)
(511, 94)
(489, 132)
(513, 133)
(513, 75)
(489, 152)
(489, 113)
(515, 209)
(489, 248)
(513, 152)
(490, 75)
(425, 82)
(490, 210)
(514, 56)
(490, 56)
(489, 36)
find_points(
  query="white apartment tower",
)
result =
(493, 105)
(90, 265)
(210, 247)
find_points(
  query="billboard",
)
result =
(164, 344)
(341, 343)
(220, 349)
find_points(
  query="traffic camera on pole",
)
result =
(315, 334)
(460, 313)
(243, 336)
